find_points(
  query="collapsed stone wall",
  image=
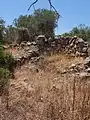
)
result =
(68, 45)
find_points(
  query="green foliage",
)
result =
(27, 27)
(10, 34)
(46, 21)
(42, 21)
(6, 59)
(6, 62)
(6, 72)
(22, 21)
(4, 78)
(1, 37)
(2, 22)
(1, 50)
(66, 34)
(81, 31)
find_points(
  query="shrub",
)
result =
(4, 78)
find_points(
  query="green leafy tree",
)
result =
(9, 34)
(46, 21)
(42, 21)
(81, 31)
(2, 26)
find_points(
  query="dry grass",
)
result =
(14, 51)
(48, 94)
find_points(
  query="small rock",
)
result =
(5, 47)
(25, 79)
(84, 50)
(80, 40)
(84, 75)
(30, 51)
(64, 71)
(75, 37)
(78, 53)
(73, 66)
(26, 48)
(86, 44)
(33, 43)
(87, 62)
(28, 43)
(88, 70)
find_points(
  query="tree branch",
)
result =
(32, 4)
(51, 6)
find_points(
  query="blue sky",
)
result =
(73, 12)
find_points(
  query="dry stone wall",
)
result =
(68, 45)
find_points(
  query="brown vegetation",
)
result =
(47, 94)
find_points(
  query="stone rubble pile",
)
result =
(71, 45)
(66, 45)
(25, 54)
(41, 46)
(80, 69)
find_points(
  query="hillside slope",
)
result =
(44, 91)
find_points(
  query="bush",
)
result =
(6, 72)
(6, 68)
(7, 61)
(4, 78)
(81, 31)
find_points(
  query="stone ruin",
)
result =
(74, 45)
(41, 46)
(80, 69)
(67, 45)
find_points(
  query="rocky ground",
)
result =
(24, 51)
(53, 88)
